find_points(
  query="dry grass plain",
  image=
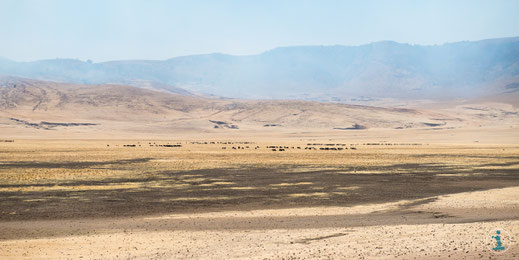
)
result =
(370, 199)
(108, 171)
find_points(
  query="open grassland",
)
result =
(60, 179)
(254, 199)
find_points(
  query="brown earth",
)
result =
(107, 171)
(113, 111)
(100, 199)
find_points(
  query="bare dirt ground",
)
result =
(201, 198)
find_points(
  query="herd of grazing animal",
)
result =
(274, 148)
(249, 146)
(282, 148)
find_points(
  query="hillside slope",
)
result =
(27, 103)
(381, 69)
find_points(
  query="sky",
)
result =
(103, 30)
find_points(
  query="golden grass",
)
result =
(107, 161)
(313, 194)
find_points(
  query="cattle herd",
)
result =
(275, 148)
(224, 145)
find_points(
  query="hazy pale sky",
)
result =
(104, 30)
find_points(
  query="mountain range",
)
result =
(322, 73)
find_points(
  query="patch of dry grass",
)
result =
(29, 162)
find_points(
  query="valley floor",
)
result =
(258, 198)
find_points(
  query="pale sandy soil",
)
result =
(474, 135)
(275, 234)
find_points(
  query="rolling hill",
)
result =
(41, 107)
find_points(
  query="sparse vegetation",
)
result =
(88, 171)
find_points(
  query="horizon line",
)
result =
(265, 51)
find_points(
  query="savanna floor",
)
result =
(219, 199)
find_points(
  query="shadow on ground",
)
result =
(242, 189)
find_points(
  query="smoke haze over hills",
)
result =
(381, 69)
